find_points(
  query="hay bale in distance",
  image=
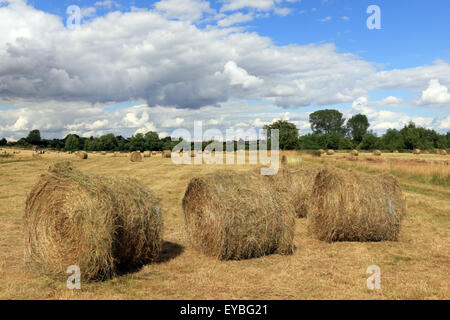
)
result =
(377, 153)
(120, 155)
(147, 154)
(353, 206)
(99, 223)
(167, 154)
(416, 151)
(354, 153)
(443, 152)
(330, 152)
(103, 153)
(291, 160)
(136, 157)
(81, 155)
(396, 151)
(234, 216)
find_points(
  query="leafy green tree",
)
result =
(107, 142)
(288, 134)
(369, 142)
(392, 140)
(327, 121)
(345, 144)
(152, 141)
(448, 139)
(3, 142)
(357, 127)
(137, 142)
(333, 140)
(34, 137)
(72, 142)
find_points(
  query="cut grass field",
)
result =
(415, 267)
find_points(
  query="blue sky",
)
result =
(413, 32)
(329, 57)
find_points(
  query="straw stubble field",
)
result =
(415, 267)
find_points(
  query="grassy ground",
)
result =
(416, 267)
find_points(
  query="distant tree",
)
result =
(448, 139)
(152, 141)
(34, 137)
(392, 140)
(3, 142)
(345, 144)
(357, 127)
(107, 142)
(369, 142)
(333, 140)
(72, 143)
(410, 136)
(137, 142)
(288, 134)
(327, 121)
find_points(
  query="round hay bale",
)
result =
(353, 206)
(396, 151)
(416, 151)
(99, 223)
(321, 151)
(136, 157)
(81, 154)
(354, 153)
(443, 152)
(330, 152)
(103, 153)
(167, 154)
(154, 153)
(377, 153)
(234, 216)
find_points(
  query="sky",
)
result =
(124, 67)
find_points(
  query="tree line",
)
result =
(329, 131)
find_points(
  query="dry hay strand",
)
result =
(353, 206)
(103, 225)
(377, 153)
(136, 157)
(167, 154)
(354, 153)
(81, 155)
(416, 151)
(300, 185)
(330, 152)
(233, 216)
